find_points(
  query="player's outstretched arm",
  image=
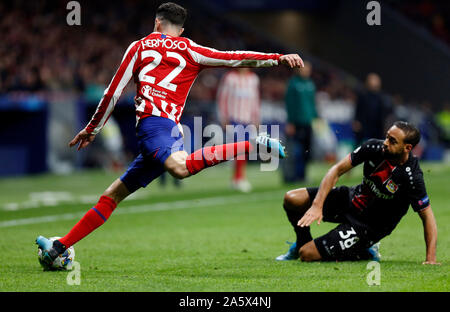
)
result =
(430, 234)
(214, 58)
(328, 182)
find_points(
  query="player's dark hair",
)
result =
(412, 134)
(171, 12)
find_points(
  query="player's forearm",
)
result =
(431, 244)
(234, 59)
(102, 113)
(328, 182)
(212, 57)
(430, 234)
(331, 178)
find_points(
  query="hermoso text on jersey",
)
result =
(166, 43)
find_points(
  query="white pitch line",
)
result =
(181, 204)
(54, 199)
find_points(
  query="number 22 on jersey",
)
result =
(166, 83)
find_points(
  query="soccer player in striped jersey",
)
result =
(238, 99)
(164, 66)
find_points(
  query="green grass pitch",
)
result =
(202, 237)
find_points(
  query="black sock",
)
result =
(303, 233)
(59, 247)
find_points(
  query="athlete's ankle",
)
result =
(59, 247)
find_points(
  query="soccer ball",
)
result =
(62, 263)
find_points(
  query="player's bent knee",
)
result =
(305, 255)
(178, 173)
(176, 165)
(309, 252)
(295, 199)
(288, 199)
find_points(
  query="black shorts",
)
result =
(350, 239)
(337, 204)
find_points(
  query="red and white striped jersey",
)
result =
(238, 98)
(164, 69)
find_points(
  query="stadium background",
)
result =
(52, 76)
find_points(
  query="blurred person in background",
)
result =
(335, 107)
(163, 180)
(112, 141)
(443, 120)
(428, 125)
(400, 109)
(300, 100)
(372, 109)
(439, 29)
(238, 99)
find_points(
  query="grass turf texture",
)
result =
(203, 237)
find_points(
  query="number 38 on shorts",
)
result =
(342, 241)
(348, 239)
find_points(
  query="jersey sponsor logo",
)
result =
(165, 43)
(391, 186)
(372, 186)
(158, 93)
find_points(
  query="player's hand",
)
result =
(83, 139)
(312, 214)
(292, 60)
(431, 262)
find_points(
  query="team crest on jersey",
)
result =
(146, 90)
(391, 186)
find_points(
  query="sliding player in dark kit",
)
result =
(368, 212)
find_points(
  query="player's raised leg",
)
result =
(212, 155)
(182, 165)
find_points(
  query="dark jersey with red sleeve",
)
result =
(387, 190)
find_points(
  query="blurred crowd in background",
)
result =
(41, 54)
(433, 15)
